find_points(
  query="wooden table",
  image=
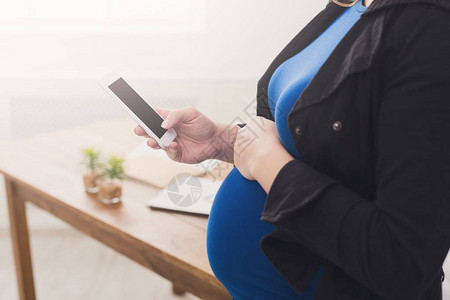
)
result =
(45, 170)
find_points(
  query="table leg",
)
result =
(20, 241)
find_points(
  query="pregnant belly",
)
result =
(234, 233)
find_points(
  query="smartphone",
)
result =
(138, 108)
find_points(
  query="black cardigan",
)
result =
(370, 199)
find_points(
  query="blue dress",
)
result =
(234, 228)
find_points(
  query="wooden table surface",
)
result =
(45, 170)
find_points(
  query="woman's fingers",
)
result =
(172, 118)
(176, 117)
(150, 142)
(153, 144)
(173, 151)
(162, 112)
(173, 146)
(139, 131)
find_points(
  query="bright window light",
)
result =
(12, 9)
(78, 9)
(167, 10)
(102, 16)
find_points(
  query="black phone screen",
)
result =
(138, 106)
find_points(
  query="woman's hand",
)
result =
(258, 152)
(198, 138)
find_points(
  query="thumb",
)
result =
(177, 117)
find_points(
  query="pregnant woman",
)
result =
(341, 184)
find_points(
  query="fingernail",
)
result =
(165, 124)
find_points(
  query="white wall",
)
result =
(214, 68)
(239, 39)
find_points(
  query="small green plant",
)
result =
(91, 159)
(113, 168)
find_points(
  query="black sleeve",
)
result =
(396, 244)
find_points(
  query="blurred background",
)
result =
(205, 53)
(208, 54)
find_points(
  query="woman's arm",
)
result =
(396, 244)
(270, 164)
(258, 152)
(224, 140)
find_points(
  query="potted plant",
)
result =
(110, 185)
(91, 162)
